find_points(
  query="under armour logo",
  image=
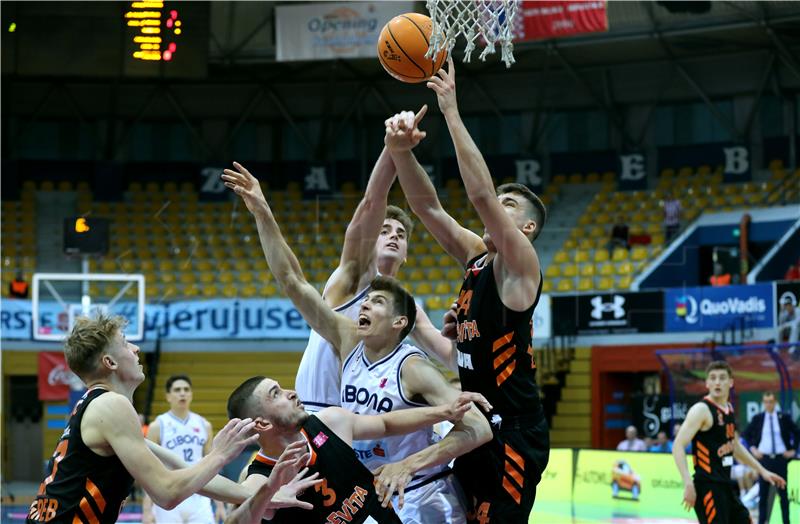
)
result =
(615, 306)
(496, 420)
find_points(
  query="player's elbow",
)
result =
(166, 499)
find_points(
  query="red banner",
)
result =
(54, 376)
(539, 20)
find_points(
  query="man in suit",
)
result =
(773, 438)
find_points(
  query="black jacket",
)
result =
(789, 432)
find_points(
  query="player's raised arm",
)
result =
(427, 337)
(111, 419)
(513, 246)
(698, 417)
(335, 328)
(402, 134)
(358, 251)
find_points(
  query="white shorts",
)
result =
(194, 510)
(439, 501)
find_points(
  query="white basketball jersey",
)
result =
(374, 388)
(185, 438)
(318, 377)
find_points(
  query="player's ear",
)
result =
(529, 228)
(400, 322)
(108, 361)
(262, 425)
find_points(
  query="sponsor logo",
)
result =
(464, 360)
(363, 397)
(687, 307)
(383, 382)
(599, 308)
(788, 295)
(320, 439)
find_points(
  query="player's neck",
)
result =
(388, 266)
(110, 384)
(272, 446)
(181, 413)
(721, 401)
(377, 349)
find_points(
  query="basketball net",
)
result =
(491, 21)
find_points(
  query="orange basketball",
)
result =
(402, 47)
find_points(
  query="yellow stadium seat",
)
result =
(605, 283)
(435, 274)
(166, 265)
(561, 257)
(576, 178)
(587, 270)
(559, 179)
(657, 238)
(427, 261)
(600, 255)
(423, 288)
(553, 271)
(585, 284)
(565, 284)
(582, 255)
(230, 291)
(639, 253)
(547, 286)
(434, 302)
(454, 274)
(206, 277)
(442, 288)
(620, 254)
(569, 244)
(225, 278)
(624, 268)
(416, 275)
(569, 270)
(169, 291)
(609, 176)
(210, 290)
(593, 178)
(185, 277)
(586, 243)
(624, 282)
(606, 269)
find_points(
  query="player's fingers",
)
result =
(420, 113)
(434, 87)
(401, 495)
(451, 67)
(241, 169)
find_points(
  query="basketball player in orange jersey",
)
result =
(375, 243)
(102, 449)
(492, 319)
(710, 426)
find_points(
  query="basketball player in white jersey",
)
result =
(375, 243)
(189, 436)
(380, 374)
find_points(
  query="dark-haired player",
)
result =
(493, 315)
(381, 374)
(710, 426)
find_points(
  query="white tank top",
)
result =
(375, 388)
(185, 438)
(318, 377)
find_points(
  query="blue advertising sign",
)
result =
(190, 320)
(713, 308)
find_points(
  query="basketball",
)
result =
(402, 46)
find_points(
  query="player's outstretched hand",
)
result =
(459, 407)
(245, 185)
(234, 437)
(774, 479)
(689, 496)
(286, 497)
(391, 478)
(450, 327)
(443, 84)
(294, 457)
(402, 130)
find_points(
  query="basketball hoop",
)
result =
(490, 20)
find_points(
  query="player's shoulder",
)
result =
(699, 409)
(109, 408)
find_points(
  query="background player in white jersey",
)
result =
(189, 436)
(372, 346)
(375, 243)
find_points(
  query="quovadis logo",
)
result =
(687, 307)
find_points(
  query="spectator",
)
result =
(786, 320)
(672, 215)
(773, 439)
(662, 444)
(632, 442)
(18, 288)
(619, 235)
(793, 273)
(720, 277)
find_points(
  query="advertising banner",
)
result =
(787, 292)
(654, 413)
(607, 313)
(239, 319)
(554, 492)
(332, 30)
(612, 483)
(55, 377)
(545, 19)
(715, 308)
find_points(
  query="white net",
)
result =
(487, 22)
